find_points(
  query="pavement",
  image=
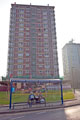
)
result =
(75, 102)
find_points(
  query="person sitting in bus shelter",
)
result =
(37, 97)
(31, 98)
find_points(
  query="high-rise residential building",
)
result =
(71, 62)
(32, 42)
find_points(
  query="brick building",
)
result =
(32, 42)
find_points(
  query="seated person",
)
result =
(31, 96)
(41, 98)
(37, 97)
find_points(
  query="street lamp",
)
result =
(73, 79)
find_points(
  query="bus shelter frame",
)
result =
(19, 80)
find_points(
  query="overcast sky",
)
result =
(67, 14)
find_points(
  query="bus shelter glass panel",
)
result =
(21, 91)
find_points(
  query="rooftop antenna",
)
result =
(71, 41)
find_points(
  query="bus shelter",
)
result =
(51, 85)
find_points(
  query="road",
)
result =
(70, 113)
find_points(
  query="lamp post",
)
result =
(73, 79)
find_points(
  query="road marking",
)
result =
(41, 112)
(17, 118)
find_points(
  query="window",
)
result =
(45, 18)
(33, 51)
(20, 44)
(45, 26)
(39, 20)
(47, 71)
(46, 49)
(55, 67)
(10, 61)
(33, 34)
(33, 20)
(28, 15)
(52, 22)
(11, 49)
(45, 40)
(40, 44)
(32, 25)
(27, 54)
(21, 20)
(33, 15)
(21, 15)
(20, 49)
(27, 65)
(11, 38)
(40, 60)
(27, 71)
(10, 72)
(39, 34)
(34, 57)
(11, 44)
(10, 66)
(21, 39)
(45, 22)
(39, 25)
(33, 63)
(34, 44)
(52, 18)
(21, 11)
(51, 13)
(33, 30)
(14, 10)
(45, 35)
(44, 13)
(12, 29)
(20, 66)
(27, 38)
(46, 44)
(39, 55)
(27, 43)
(47, 66)
(46, 55)
(27, 10)
(11, 55)
(11, 34)
(47, 60)
(27, 33)
(20, 54)
(21, 29)
(40, 66)
(21, 34)
(27, 60)
(20, 60)
(33, 39)
(27, 48)
(19, 72)
(12, 25)
(27, 28)
(41, 71)
(21, 25)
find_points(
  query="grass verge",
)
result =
(23, 97)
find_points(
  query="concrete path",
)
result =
(70, 113)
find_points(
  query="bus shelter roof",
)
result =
(22, 80)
